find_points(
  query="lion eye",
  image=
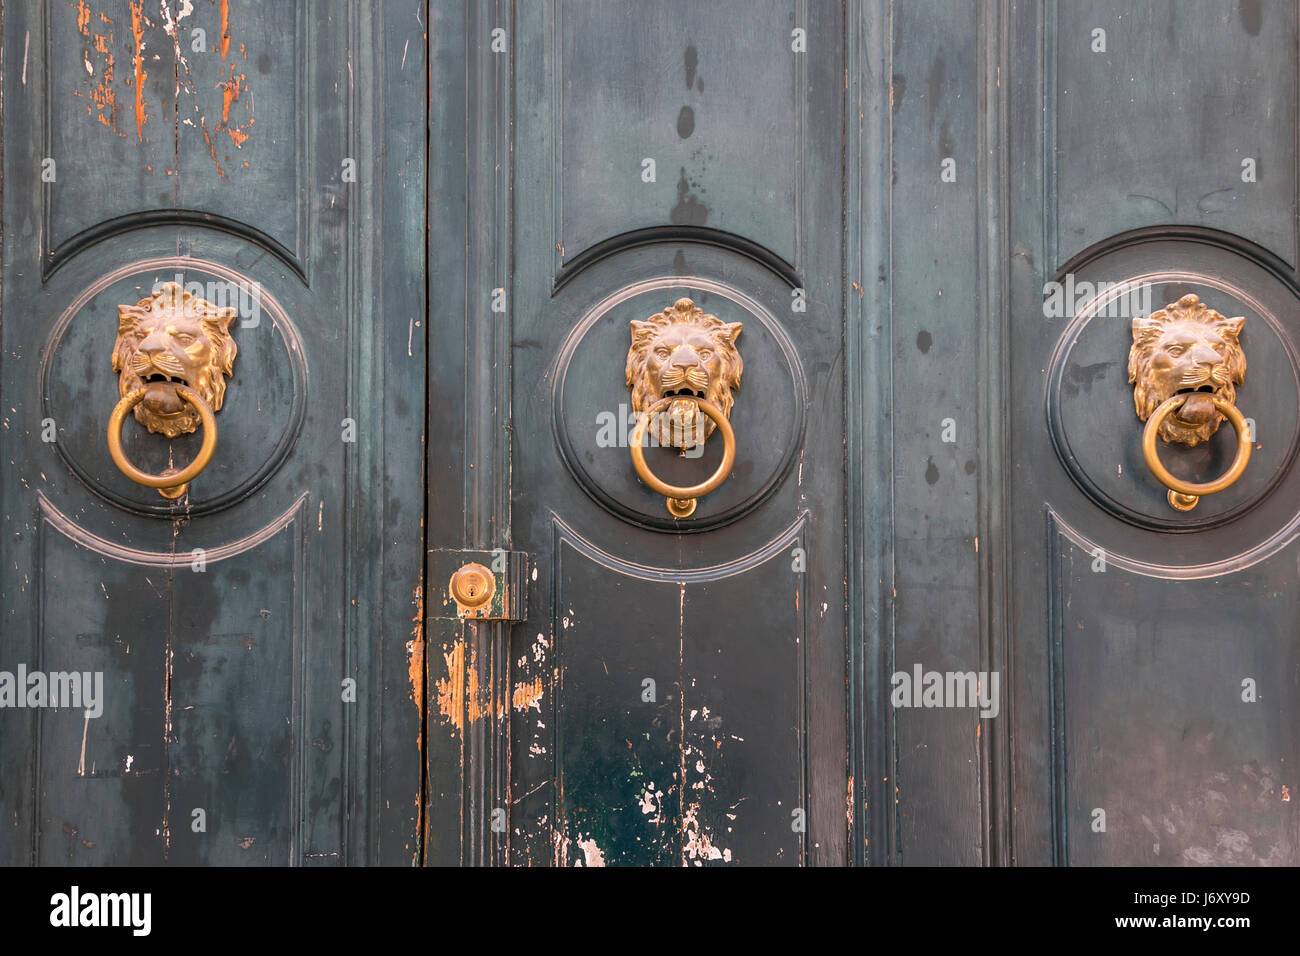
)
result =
(662, 352)
(1175, 350)
(706, 353)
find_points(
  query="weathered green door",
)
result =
(178, 177)
(425, 269)
(676, 691)
(1055, 171)
(1155, 652)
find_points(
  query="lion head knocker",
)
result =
(1185, 365)
(1186, 348)
(173, 338)
(685, 354)
(682, 368)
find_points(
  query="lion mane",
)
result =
(200, 317)
(1187, 320)
(723, 335)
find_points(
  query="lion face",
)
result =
(169, 338)
(682, 351)
(1186, 348)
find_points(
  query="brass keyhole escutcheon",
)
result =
(472, 587)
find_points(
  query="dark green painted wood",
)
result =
(1127, 683)
(748, 724)
(520, 170)
(224, 687)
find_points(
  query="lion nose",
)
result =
(1204, 355)
(153, 344)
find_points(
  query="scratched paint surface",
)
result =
(190, 93)
(705, 767)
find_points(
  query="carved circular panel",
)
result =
(1091, 407)
(594, 419)
(246, 360)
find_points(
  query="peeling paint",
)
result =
(225, 28)
(451, 689)
(415, 662)
(100, 93)
(463, 698)
(591, 853)
(137, 32)
(528, 694)
(231, 90)
(698, 845)
(652, 802)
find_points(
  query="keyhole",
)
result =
(472, 586)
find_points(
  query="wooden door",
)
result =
(1052, 172)
(256, 170)
(1155, 650)
(676, 691)
(447, 242)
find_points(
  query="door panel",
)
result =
(1147, 624)
(252, 634)
(1092, 145)
(676, 694)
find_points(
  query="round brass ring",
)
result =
(164, 483)
(684, 493)
(1189, 489)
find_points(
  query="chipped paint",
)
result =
(528, 694)
(477, 702)
(101, 67)
(697, 844)
(100, 91)
(415, 662)
(137, 32)
(231, 90)
(652, 804)
(463, 698)
(225, 28)
(81, 764)
(451, 689)
(590, 852)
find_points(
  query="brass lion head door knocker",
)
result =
(173, 354)
(682, 368)
(1185, 365)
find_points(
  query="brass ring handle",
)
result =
(171, 483)
(681, 498)
(1183, 495)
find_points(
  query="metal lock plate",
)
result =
(480, 585)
